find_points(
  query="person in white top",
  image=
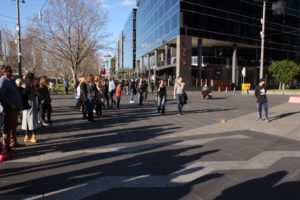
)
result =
(111, 91)
(179, 94)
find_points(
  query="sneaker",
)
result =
(5, 154)
(45, 124)
(267, 120)
(260, 120)
(33, 139)
(26, 138)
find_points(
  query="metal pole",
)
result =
(262, 34)
(19, 39)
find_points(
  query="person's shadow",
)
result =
(265, 188)
(283, 115)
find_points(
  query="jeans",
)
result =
(161, 103)
(179, 98)
(131, 96)
(265, 106)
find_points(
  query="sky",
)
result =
(118, 12)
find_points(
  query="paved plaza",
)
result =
(136, 153)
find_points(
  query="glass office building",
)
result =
(213, 41)
(126, 52)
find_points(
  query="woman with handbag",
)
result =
(179, 94)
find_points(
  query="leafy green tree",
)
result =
(284, 71)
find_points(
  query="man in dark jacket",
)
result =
(262, 100)
(11, 100)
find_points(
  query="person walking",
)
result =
(30, 116)
(45, 101)
(142, 87)
(99, 96)
(262, 100)
(118, 93)
(83, 96)
(111, 91)
(161, 97)
(132, 88)
(106, 93)
(179, 89)
(66, 86)
(91, 92)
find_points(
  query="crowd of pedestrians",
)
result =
(28, 98)
(94, 94)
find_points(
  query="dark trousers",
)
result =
(141, 98)
(90, 107)
(66, 90)
(46, 108)
(179, 98)
(10, 124)
(111, 98)
(99, 108)
(106, 99)
(118, 101)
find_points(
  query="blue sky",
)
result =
(118, 12)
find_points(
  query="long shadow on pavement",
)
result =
(267, 187)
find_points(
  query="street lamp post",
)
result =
(18, 29)
(262, 34)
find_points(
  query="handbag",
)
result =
(185, 98)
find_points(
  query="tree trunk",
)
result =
(280, 86)
(283, 86)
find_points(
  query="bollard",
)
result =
(226, 90)
(219, 89)
(234, 90)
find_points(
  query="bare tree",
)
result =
(9, 47)
(71, 30)
(32, 55)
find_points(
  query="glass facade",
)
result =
(129, 41)
(157, 22)
(239, 21)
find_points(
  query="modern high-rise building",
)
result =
(126, 46)
(213, 41)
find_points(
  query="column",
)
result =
(155, 65)
(166, 54)
(199, 54)
(183, 57)
(148, 64)
(234, 64)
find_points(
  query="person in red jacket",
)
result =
(118, 94)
